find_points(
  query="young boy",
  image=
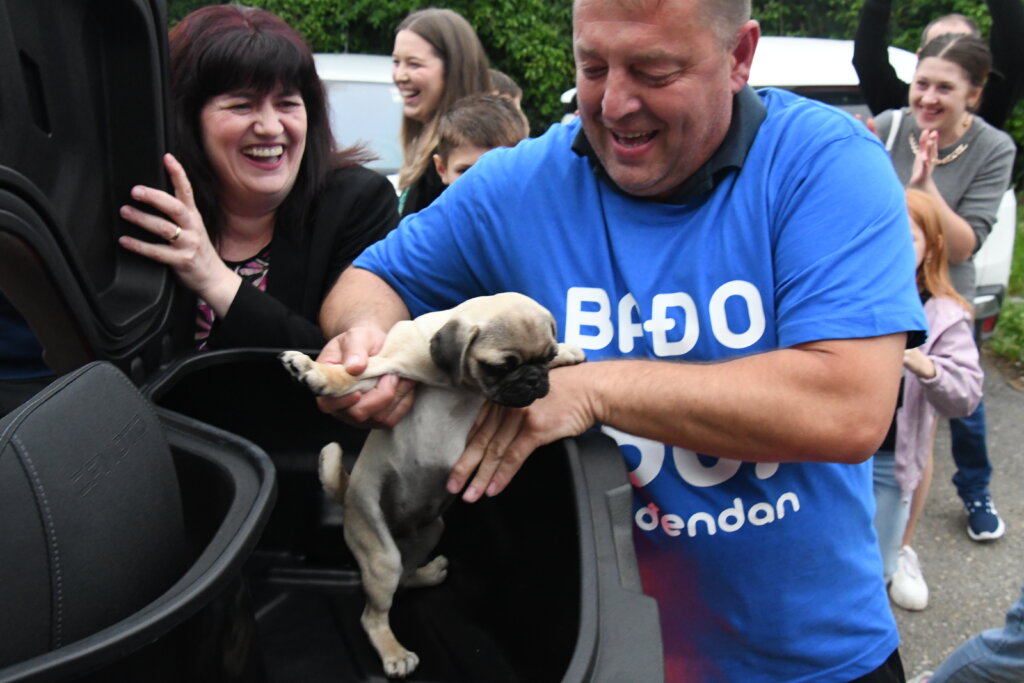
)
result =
(474, 125)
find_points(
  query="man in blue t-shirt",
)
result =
(738, 267)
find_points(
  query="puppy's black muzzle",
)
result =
(521, 387)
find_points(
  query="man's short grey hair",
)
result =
(725, 17)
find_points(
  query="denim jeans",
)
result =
(970, 453)
(892, 509)
(993, 656)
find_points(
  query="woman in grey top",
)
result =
(941, 147)
(938, 145)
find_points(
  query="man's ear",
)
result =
(439, 165)
(743, 53)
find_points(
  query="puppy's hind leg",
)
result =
(380, 564)
(416, 550)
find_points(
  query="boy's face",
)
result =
(459, 161)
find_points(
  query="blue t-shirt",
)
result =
(762, 572)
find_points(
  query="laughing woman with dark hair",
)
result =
(265, 213)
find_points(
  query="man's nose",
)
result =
(620, 96)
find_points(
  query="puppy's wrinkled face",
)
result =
(513, 375)
(504, 357)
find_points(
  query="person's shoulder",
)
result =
(790, 114)
(994, 136)
(347, 182)
(347, 186)
(534, 154)
(354, 174)
(944, 312)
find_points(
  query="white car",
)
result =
(365, 106)
(822, 68)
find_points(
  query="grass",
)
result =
(1008, 339)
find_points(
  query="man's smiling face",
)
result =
(654, 87)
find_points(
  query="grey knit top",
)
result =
(972, 184)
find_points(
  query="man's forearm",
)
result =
(360, 298)
(825, 401)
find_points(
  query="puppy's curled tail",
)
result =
(333, 476)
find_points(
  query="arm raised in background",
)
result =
(1006, 84)
(881, 87)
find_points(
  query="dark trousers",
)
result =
(891, 671)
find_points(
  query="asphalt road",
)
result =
(971, 584)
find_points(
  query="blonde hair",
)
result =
(933, 273)
(466, 72)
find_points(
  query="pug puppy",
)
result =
(496, 348)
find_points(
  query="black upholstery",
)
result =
(91, 525)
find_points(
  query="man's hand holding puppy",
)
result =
(382, 406)
(502, 437)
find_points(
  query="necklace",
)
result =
(949, 158)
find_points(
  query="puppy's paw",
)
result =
(322, 380)
(298, 364)
(568, 354)
(430, 574)
(400, 664)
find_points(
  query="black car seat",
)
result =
(119, 523)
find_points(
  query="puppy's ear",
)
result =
(449, 346)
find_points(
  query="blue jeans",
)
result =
(892, 510)
(970, 453)
(993, 656)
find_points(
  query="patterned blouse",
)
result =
(253, 271)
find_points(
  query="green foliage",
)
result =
(530, 40)
(1008, 339)
(814, 18)
(1016, 286)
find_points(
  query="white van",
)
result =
(823, 69)
(365, 106)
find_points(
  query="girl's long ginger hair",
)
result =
(933, 273)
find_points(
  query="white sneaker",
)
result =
(921, 677)
(908, 589)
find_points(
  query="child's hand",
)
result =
(918, 363)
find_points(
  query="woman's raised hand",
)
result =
(186, 245)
